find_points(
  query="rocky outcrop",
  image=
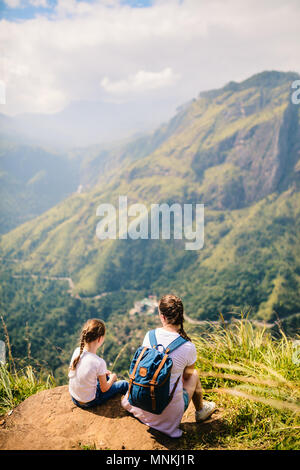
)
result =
(49, 420)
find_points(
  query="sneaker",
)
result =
(207, 410)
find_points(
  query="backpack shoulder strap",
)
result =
(175, 344)
(152, 338)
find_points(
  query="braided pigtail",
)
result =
(92, 330)
(183, 333)
(171, 307)
(82, 343)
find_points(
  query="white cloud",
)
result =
(38, 3)
(72, 7)
(169, 51)
(140, 82)
(24, 3)
(13, 3)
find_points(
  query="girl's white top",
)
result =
(169, 420)
(83, 380)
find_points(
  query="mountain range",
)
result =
(237, 151)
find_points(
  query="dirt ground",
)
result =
(50, 420)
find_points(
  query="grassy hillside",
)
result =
(256, 381)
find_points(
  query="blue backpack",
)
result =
(150, 372)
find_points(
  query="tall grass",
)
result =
(255, 380)
(17, 385)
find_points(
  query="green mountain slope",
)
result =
(237, 151)
(32, 180)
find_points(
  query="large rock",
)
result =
(50, 420)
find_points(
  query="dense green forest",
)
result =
(43, 322)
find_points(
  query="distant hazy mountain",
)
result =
(32, 180)
(85, 123)
(236, 149)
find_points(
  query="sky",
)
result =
(57, 52)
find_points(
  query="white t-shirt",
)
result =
(169, 420)
(83, 380)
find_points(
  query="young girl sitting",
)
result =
(90, 383)
(171, 315)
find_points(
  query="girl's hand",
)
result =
(106, 382)
(113, 377)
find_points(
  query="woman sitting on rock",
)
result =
(90, 383)
(184, 357)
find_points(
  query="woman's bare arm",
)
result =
(188, 371)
